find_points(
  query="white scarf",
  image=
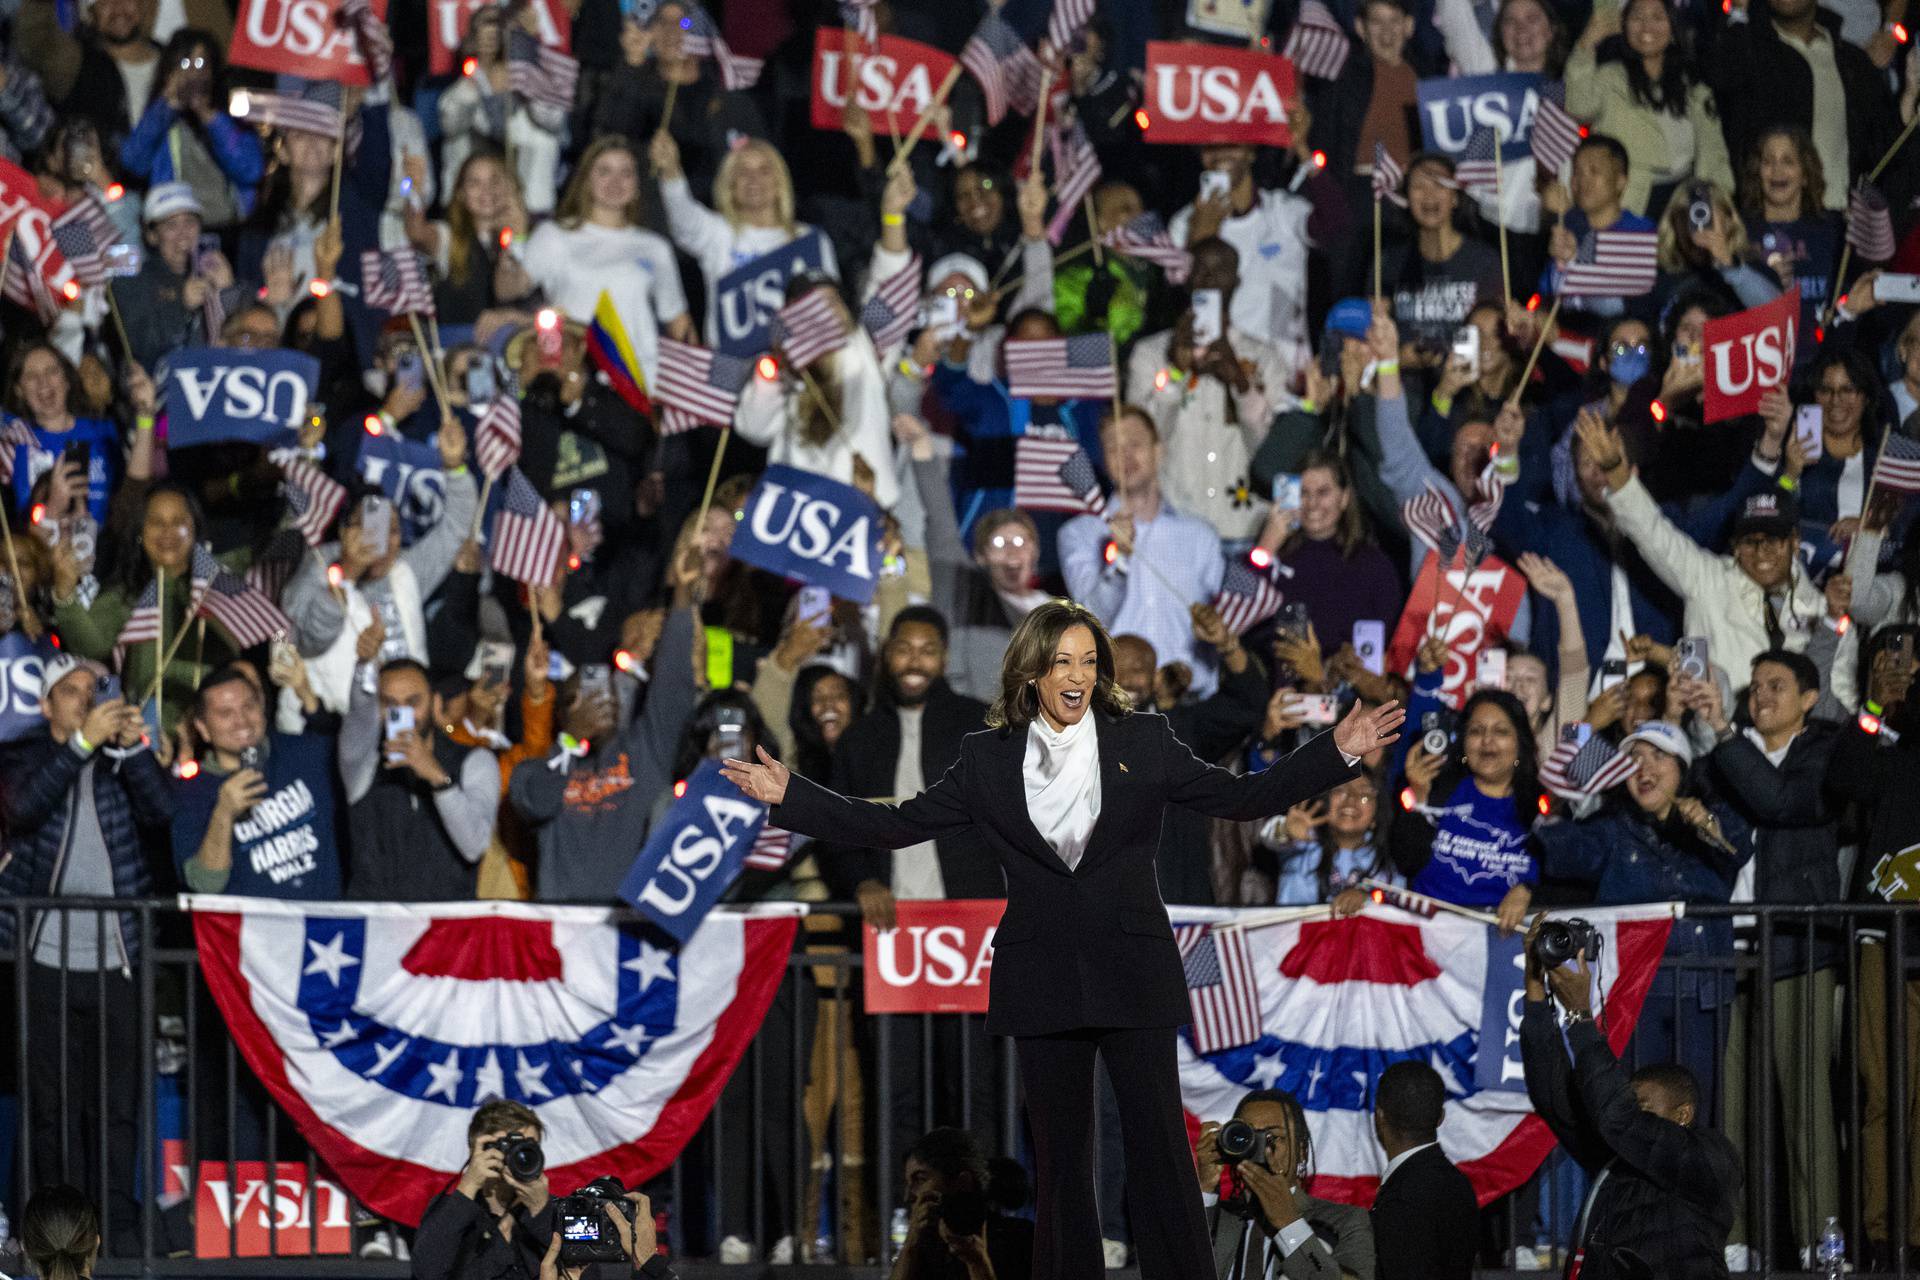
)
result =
(1063, 784)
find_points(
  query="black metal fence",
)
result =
(123, 1080)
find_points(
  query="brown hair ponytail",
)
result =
(60, 1233)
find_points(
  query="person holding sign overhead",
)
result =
(1068, 787)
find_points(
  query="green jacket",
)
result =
(93, 633)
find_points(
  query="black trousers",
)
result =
(1163, 1194)
(83, 1091)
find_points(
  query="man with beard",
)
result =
(910, 738)
(106, 69)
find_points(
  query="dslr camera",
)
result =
(964, 1212)
(584, 1220)
(1241, 1143)
(1559, 941)
(521, 1157)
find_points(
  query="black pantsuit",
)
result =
(1084, 960)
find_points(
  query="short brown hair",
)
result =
(1113, 415)
(497, 1115)
(1029, 656)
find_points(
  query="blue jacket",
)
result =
(40, 778)
(148, 153)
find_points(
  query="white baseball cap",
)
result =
(168, 198)
(1662, 736)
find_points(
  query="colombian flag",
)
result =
(613, 353)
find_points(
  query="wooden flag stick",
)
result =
(426, 364)
(820, 398)
(1040, 126)
(29, 621)
(1377, 295)
(1113, 362)
(1526, 374)
(1892, 151)
(1500, 216)
(903, 155)
(1394, 891)
(339, 159)
(713, 478)
(119, 325)
(480, 512)
(1093, 232)
(193, 607)
(159, 632)
(1840, 279)
(666, 115)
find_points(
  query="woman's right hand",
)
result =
(765, 782)
(1423, 767)
(66, 570)
(664, 152)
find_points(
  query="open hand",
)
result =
(765, 782)
(1365, 731)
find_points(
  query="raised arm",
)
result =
(810, 809)
(1320, 765)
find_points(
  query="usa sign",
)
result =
(1472, 610)
(447, 26)
(256, 1217)
(805, 526)
(746, 297)
(1451, 109)
(22, 663)
(299, 38)
(694, 853)
(26, 216)
(897, 80)
(1749, 354)
(937, 958)
(233, 394)
(1200, 93)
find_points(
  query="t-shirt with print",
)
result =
(283, 847)
(1479, 850)
(1432, 299)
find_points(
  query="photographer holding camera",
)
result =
(955, 1230)
(1664, 1187)
(1264, 1225)
(498, 1220)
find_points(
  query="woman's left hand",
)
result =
(1364, 731)
(1512, 911)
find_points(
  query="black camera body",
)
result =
(521, 1157)
(1559, 941)
(964, 1212)
(585, 1227)
(1241, 1143)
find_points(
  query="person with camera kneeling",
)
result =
(1264, 1225)
(1664, 1186)
(497, 1221)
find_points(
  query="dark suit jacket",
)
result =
(863, 763)
(1211, 728)
(1089, 947)
(1426, 1221)
(1342, 1244)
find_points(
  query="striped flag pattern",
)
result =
(88, 212)
(496, 437)
(889, 315)
(1078, 475)
(313, 497)
(771, 849)
(1076, 168)
(1429, 516)
(395, 282)
(1478, 169)
(1146, 238)
(1061, 368)
(538, 73)
(1039, 480)
(27, 287)
(808, 328)
(1464, 551)
(1317, 45)
(1899, 464)
(376, 41)
(84, 253)
(1387, 176)
(1556, 135)
(1870, 224)
(142, 625)
(1246, 598)
(1222, 985)
(13, 435)
(527, 536)
(285, 111)
(698, 385)
(1574, 771)
(1066, 20)
(702, 39)
(1484, 508)
(249, 617)
(1008, 73)
(1613, 264)
(857, 16)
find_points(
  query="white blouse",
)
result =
(1062, 777)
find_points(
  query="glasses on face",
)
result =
(1619, 349)
(1836, 390)
(959, 294)
(1002, 541)
(193, 64)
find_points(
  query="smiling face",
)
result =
(175, 238)
(979, 202)
(1775, 701)
(756, 181)
(1066, 689)
(485, 191)
(1782, 176)
(1526, 33)
(830, 703)
(615, 179)
(44, 386)
(1492, 747)
(232, 717)
(1352, 807)
(1648, 28)
(1009, 550)
(1133, 452)
(1134, 665)
(1471, 445)
(1767, 559)
(1527, 681)
(1322, 502)
(166, 535)
(916, 656)
(1841, 401)
(1656, 784)
(1431, 196)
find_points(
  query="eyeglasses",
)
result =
(1001, 541)
(956, 292)
(1619, 349)
(1833, 391)
(192, 64)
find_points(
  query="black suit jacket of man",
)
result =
(863, 765)
(1426, 1221)
(1088, 947)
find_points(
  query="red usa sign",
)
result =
(1749, 354)
(1215, 93)
(299, 38)
(447, 26)
(1473, 611)
(936, 959)
(248, 1218)
(897, 80)
(28, 218)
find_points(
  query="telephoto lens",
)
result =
(1241, 1142)
(522, 1157)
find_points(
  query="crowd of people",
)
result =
(1730, 606)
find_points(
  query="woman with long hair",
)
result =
(1649, 97)
(1833, 487)
(1704, 245)
(1323, 849)
(186, 135)
(1068, 787)
(481, 112)
(475, 269)
(1435, 279)
(1333, 566)
(1782, 186)
(1527, 36)
(596, 243)
(60, 1233)
(1466, 835)
(752, 214)
(43, 392)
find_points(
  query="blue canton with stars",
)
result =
(1340, 1078)
(462, 1076)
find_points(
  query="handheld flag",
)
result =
(1317, 45)
(1061, 368)
(1246, 598)
(889, 315)
(1146, 238)
(698, 384)
(527, 536)
(612, 352)
(1008, 73)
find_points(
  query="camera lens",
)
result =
(1554, 945)
(964, 1213)
(523, 1158)
(1237, 1141)
(1435, 742)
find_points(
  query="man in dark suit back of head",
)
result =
(1426, 1218)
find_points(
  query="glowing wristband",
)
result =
(1388, 366)
(893, 219)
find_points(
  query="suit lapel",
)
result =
(1010, 756)
(1113, 779)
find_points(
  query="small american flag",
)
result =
(889, 315)
(395, 282)
(14, 434)
(771, 849)
(1222, 984)
(26, 287)
(809, 327)
(1574, 771)
(84, 253)
(274, 567)
(1463, 551)
(1066, 20)
(1076, 167)
(496, 437)
(1317, 45)
(142, 625)
(1899, 464)
(1429, 515)
(1484, 508)
(285, 111)
(313, 497)
(91, 214)
(1146, 238)
(701, 39)
(857, 16)
(1478, 169)
(1039, 480)
(1870, 224)
(698, 385)
(248, 616)
(1061, 368)
(1556, 135)
(1613, 264)
(1387, 176)
(1008, 73)
(1246, 598)
(540, 74)
(527, 536)
(376, 41)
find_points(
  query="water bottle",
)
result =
(1832, 1255)
(823, 1246)
(897, 1237)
